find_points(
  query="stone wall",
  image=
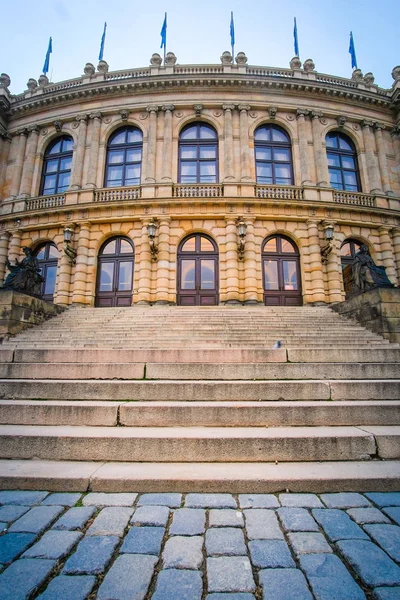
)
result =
(20, 311)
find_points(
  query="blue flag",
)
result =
(47, 59)
(103, 39)
(296, 40)
(352, 51)
(232, 31)
(163, 33)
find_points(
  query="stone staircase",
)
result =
(196, 399)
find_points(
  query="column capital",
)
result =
(95, 115)
(153, 108)
(81, 118)
(231, 220)
(312, 222)
(316, 114)
(384, 229)
(367, 124)
(379, 126)
(6, 136)
(302, 112)
(228, 107)
(395, 130)
(244, 107)
(33, 129)
(168, 108)
(22, 131)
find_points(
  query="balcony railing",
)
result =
(277, 192)
(45, 202)
(354, 198)
(197, 191)
(117, 194)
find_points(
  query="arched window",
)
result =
(273, 155)
(348, 250)
(342, 162)
(197, 271)
(124, 157)
(57, 166)
(281, 271)
(115, 272)
(47, 256)
(198, 154)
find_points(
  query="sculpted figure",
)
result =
(366, 274)
(24, 276)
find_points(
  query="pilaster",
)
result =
(250, 265)
(387, 254)
(228, 142)
(145, 263)
(163, 292)
(94, 149)
(81, 267)
(4, 241)
(321, 161)
(317, 294)
(19, 162)
(244, 141)
(166, 173)
(151, 144)
(232, 267)
(303, 146)
(79, 154)
(383, 166)
(396, 249)
(29, 162)
(372, 164)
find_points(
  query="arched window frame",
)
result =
(131, 154)
(340, 153)
(57, 166)
(199, 148)
(269, 153)
(355, 245)
(47, 263)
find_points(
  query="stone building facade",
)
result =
(200, 184)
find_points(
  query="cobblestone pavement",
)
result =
(70, 546)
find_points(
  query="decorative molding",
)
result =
(168, 107)
(367, 123)
(244, 107)
(143, 116)
(316, 114)
(198, 108)
(151, 108)
(302, 112)
(272, 110)
(228, 107)
(341, 121)
(124, 114)
(95, 115)
(58, 125)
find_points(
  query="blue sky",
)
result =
(198, 32)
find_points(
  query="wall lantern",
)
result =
(151, 232)
(327, 249)
(241, 231)
(68, 249)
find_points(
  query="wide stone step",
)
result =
(199, 444)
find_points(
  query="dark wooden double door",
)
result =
(197, 271)
(115, 273)
(281, 272)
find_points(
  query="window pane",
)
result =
(335, 177)
(50, 282)
(263, 154)
(208, 152)
(125, 248)
(132, 172)
(119, 138)
(67, 145)
(106, 277)
(207, 168)
(115, 157)
(49, 184)
(344, 144)
(206, 245)
(345, 250)
(348, 162)
(55, 149)
(109, 248)
(189, 152)
(331, 141)
(114, 175)
(264, 170)
(53, 252)
(189, 245)
(134, 135)
(40, 255)
(290, 275)
(282, 154)
(52, 166)
(191, 179)
(190, 133)
(279, 136)
(287, 246)
(283, 171)
(350, 178)
(125, 276)
(188, 275)
(207, 277)
(270, 246)
(271, 275)
(206, 133)
(188, 168)
(66, 164)
(134, 155)
(263, 133)
(63, 181)
(333, 160)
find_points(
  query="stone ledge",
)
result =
(19, 311)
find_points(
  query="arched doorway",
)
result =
(115, 273)
(47, 256)
(197, 271)
(348, 250)
(281, 272)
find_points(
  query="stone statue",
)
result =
(24, 276)
(366, 274)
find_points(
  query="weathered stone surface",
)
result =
(54, 545)
(61, 499)
(23, 577)
(309, 543)
(100, 499)
(172, 500)
(183, 553)
(228, 596)
(14, 544)
(37, 519)
(75, 518)
(345, 500)
(258, 501)
(225, 541)
(111, 521)
(151, 515)
(388, 537)
(22, 497)
(143, 540)
(262, 524)
(128, 579)
(188, 521)
(300, 500)
(92, 556)
(329, 578)
(367, 515)
(173, 584)
(296, 519)
(225, 517)
(371, 564)
(69, 588)
(284, 584)
(387, 593)
(230, 574)
(10, 513)
(338, 525)
(393, 512)
(210, 501)
(384, 498)
(270, 554)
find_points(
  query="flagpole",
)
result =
(165, 45)
(232, 38)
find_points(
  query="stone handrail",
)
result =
(117, 194)
(322, 78)
(63, 85)
(127, 74)
(197, 191)
(45, 202)
(194, 69)
(281, 192)
(269, 71)
(342, 197)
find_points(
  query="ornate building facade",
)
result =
(200, 184)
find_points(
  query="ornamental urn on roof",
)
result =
(156, 60)
(226, 58)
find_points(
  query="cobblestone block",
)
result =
(75, 518)
(62, 499)
(338, 525)
(210, 501)
(345, 500)
(172, 500)
(262, 525)
(393, 512)
(10, 513)
(225, 541)
(37, 519)
(92, 556)
(3, 527)
(329, 578)
(381, 498)
(173, 584)
(238, 596)
(300, 500)
(309, 543)
(151, 515)
(270, 554)
(367, 515)
(225, 517)
(66, 587)
(54, 545)
(388, 537)
(143, 540)
(183, 553)
(258, 501)
(284, 584)
(128, 579)
(14, 544)
(188, 521)
(24, 577)
(387, 593)
(22, 497)
(296, 519)
(111, 521)
(230, 574)
(371, 564)
(101, 499)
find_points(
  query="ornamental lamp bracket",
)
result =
(69, 251)
(327, 249)
(151, 232)
(241, 227)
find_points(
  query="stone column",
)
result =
(317, 294)
(79, 154)
(383, 166)
(144, 280)
(94, 149)
(14, 247)
(396, 249)
(232, 267)
(151, 144)
(303, 146)
(321, 161)
(372, 164)
(334, 271)
(229, 167)
(250, 265)
(162, 294)
(395, 133)
(29, 162)
(4, 153)
(166, 173)
(4, 241)
(244, 141)
(19, 162)
(63, 280)
(80, 278)
(387, 254)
